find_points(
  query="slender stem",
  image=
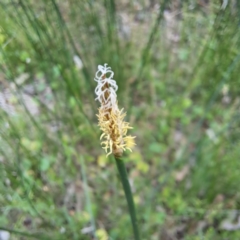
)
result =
(128, 194)
(26, 234)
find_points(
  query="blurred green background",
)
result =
(177, 65)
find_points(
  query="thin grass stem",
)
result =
(128, 194)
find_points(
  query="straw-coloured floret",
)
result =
(111, 119)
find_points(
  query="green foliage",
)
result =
(177, 68)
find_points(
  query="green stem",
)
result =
(128, 194)
(26, 234)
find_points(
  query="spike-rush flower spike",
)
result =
(111, 119)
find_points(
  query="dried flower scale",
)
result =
(111, 119)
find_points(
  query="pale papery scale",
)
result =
(103, 77)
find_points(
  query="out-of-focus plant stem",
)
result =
(128, 194)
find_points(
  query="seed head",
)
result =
(111, 119)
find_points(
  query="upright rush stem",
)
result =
(114, 129)
(128, 194)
